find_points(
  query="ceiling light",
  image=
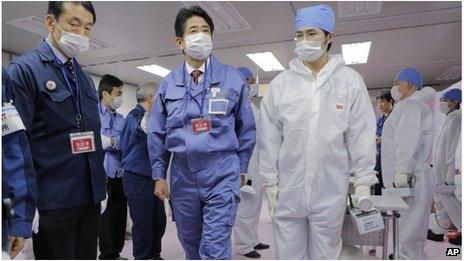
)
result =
(154, 69)
(356, 53)
(267, 61)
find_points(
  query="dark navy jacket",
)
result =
(18, 178)
(134, 144)
(64, 180)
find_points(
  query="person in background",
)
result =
(19, 187)
(385, 104)
(57, 102)
(447, 206)
(113, 220)
(249, 208)
(407, 139)
(146, 210)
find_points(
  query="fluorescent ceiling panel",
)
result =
(154, 69)
(267, 61)
(356, 53)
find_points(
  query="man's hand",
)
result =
(161, 189)
(378, 140)
(272, 192)
(243, 180)
(15, 245)
(401, 180)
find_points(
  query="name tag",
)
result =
(367, 221)
(82, 142)
(200, 125)
(11, 121)
(218, 106)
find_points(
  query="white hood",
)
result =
(334, 64)
(424, 94)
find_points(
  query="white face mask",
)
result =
(117, 102)
(444, 107)
(72, 44)
(198, 45)
(395, 93)
(309, 51)
(253, 90)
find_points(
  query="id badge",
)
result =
(82, 142)
(218, 106)
(11, 121)
(200, 125)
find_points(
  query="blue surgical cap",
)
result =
(453, 94)
(319, 16)
(410, 75)
(245, 72)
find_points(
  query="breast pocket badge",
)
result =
(218, 106)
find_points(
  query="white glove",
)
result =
(35, 222)
(449, 177)
(401, 180)
(144, 123)
(361, 197)
(271, 194)
(103, 204)
(106, 141)
(457, 182)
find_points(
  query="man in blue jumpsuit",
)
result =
(385, 104)
(146, 210)
(57, 102)
(113, 221)
(19, 188)
(203, 118)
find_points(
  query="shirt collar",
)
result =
(104, 109)
(190, 69)
(57, 52)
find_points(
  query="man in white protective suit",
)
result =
(249, 209)
(315, 118)
(447, 206)
(407, 141)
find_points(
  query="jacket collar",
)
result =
(214, 65)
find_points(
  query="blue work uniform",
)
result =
(18, 176)
(111, 126)
(206, 166)
(49, 104)
(146, 210)
(378, 164)
(112, 228)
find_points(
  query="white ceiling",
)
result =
(426, 35)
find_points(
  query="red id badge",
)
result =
(82, 142)
(200, 125)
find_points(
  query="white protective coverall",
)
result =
(407, 139)
(309, 129)
(249, 208)
(458, 163)
(448, 207)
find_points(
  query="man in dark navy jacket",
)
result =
(57, 102)
(146, 210)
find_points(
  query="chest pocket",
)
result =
(174, 105)
(335, 106)
(221, 119)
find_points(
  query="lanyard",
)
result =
(203, 92)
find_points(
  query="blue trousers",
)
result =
(205, 204)
(147, 214)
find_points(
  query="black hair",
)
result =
(330, 44)
(108, 83)
(384, 95)
(185, 13)
(55, 8)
